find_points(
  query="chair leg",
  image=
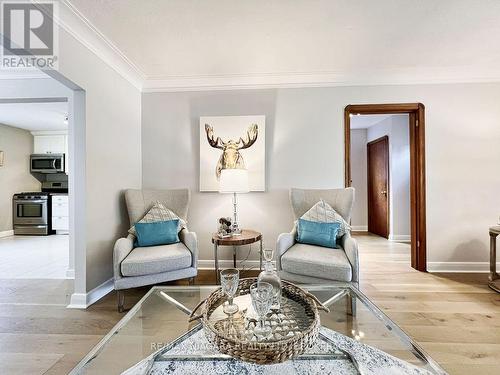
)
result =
(351, 302)
(121, 300)
(191, 281)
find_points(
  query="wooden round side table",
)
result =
(246, 237)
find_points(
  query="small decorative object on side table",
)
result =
(225, 227)
(246, 237)
(494, 278)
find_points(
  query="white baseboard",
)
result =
(227, 263)
(70, 273)
(6, 233)
(400, 238)
(463, 267)
(84, 300)
(359, 228)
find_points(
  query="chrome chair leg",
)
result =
(351, 302)
(121, 300)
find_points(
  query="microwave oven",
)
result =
(47, 163)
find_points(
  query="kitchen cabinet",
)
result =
(60, 213)
(50, 144)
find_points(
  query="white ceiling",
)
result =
(34, 116)
(342, 41)
(367, 121)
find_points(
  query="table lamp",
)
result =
(234, 181)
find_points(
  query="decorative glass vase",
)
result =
(269, 275)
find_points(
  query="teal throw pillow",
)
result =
(157, 233)
(318, 233)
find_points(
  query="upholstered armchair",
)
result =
(301, 263)
(139, 266)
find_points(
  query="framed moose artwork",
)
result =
(232, 142)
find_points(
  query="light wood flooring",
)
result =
(454, 317)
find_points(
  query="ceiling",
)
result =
(367, 121)
(303, 41)
(34, 116)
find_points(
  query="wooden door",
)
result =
(378, 186)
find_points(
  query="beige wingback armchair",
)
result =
(301, 263)
(139, 266)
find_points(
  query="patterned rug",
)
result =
(333, 353)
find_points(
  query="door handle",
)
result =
(20, 201)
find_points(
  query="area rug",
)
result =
(333, 353)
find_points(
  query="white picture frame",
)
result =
(233, 128)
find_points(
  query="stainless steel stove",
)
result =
(31, 213)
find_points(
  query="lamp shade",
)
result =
(233, 181)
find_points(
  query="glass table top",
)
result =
(161, 317)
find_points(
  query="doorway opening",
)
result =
(411, 119)
(65, 213)
(34, 214)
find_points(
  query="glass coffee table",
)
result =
(160, 320)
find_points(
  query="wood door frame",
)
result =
(416, 112)
(388, 187)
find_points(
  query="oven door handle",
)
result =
(30, 201)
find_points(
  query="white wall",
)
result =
(32, 88)
(305, 148)
(15, 176)
(399, 152)
(359, 217)
(170, 155)
(396, 127)
(113, 159)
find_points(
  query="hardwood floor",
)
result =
(454, 317)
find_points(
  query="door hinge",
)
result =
(418, 243)
(416, 123)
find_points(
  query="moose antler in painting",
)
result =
(231, 157)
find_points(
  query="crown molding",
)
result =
(76, 24)
(312, 79)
